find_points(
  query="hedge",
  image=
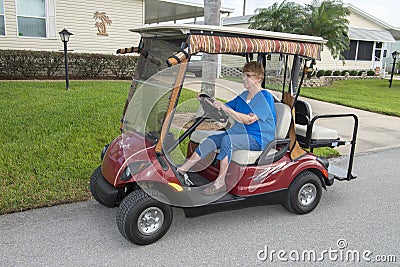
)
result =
(320, 73)
(353, 73)
(27, 64)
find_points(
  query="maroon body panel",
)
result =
(241, 180)
(132, 147)
(249, 180)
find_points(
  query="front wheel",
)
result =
(144, 217)
(304, 193)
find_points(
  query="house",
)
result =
(371, 42)
(98, 26)
(103, 26)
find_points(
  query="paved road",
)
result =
(364, 212)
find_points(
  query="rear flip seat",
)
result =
(318, 132)
(304, 116)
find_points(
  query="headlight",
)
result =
(134, 168)
(103, 152)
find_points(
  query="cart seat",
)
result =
(248, 157)
(318, 132)
(303, 118)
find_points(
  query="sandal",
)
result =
(212, 190)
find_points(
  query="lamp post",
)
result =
(64, 34)
(395, 54)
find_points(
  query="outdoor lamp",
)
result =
(64, 35)
(395, 54)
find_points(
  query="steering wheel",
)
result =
(210, 111)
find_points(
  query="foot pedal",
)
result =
(185, 178)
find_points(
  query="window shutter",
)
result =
(51, 19)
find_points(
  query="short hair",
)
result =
(254, 66)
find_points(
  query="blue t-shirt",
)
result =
(262, 105)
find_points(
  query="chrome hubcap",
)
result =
(150, 220)
(307, 194)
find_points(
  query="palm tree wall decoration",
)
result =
(102, 20)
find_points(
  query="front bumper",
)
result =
(106, 193)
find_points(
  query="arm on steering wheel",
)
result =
(210, 106)
(210, 110)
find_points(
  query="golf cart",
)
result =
(161, 127)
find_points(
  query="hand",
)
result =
(218, 105)
(252, 119)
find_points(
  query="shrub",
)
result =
(328, 73)
(20, 64)
(353, 73)
(25, 64)
(370, 73)
(344, 72)
(360, 73)
(320, 73)
(336, 73)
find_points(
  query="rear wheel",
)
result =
(143, 217)
(304, 193)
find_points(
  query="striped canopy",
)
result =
(232, 45)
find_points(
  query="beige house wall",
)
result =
(327, 62)
(360, 22)
(124, 14)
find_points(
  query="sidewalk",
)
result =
(375, 131)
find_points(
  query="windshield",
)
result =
(151, 87)
(147, 109)
(154, 54)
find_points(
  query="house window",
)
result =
(378, 51)
(365, 50)
(351, 53)
(2, 24)
(359, 50)
(31, 16)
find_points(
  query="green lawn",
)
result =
(51, 139)
(367, 94)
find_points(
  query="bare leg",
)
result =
(219, 184)
(223, 168)
(189, 163)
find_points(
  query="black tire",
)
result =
(135, 206)
(96, 175)
(304, 193)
